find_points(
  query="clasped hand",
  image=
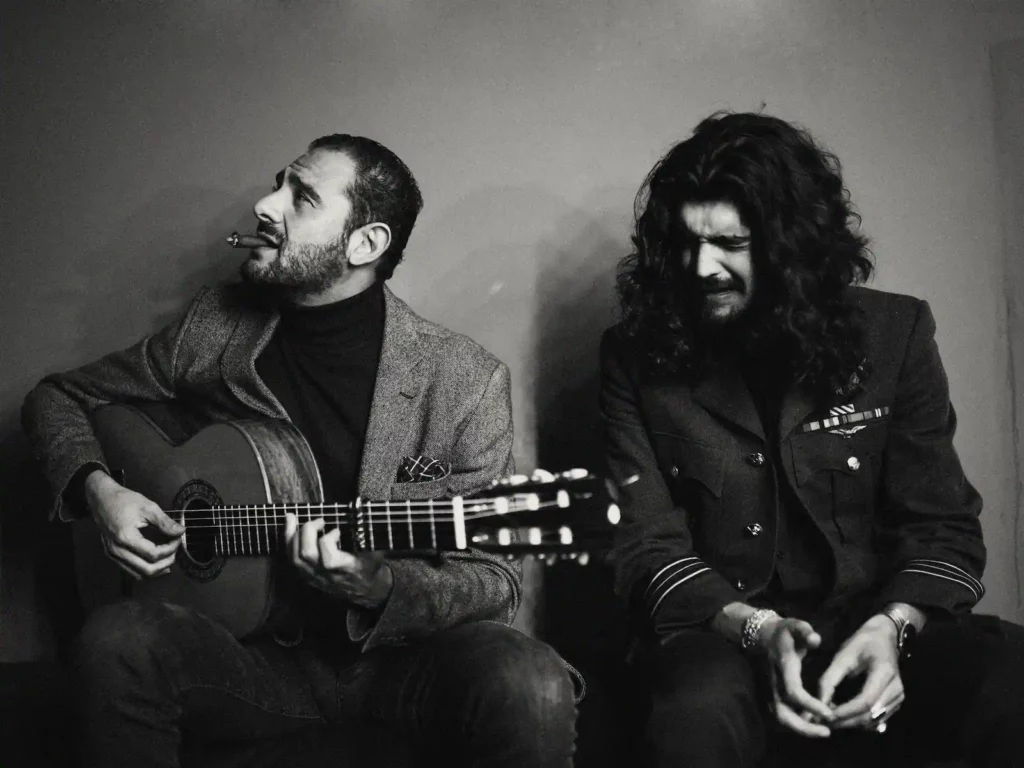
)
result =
(362, 579)
(870, 650)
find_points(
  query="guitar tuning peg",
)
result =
(551, 559)
(583, 558)
(542, 476)
(575, 474)
(516, 480)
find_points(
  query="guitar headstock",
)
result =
(550, 516)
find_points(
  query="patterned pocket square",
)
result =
(422, 469)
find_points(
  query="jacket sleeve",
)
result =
(665, 582)
(56, 413)
(431, 595)
(928, 503)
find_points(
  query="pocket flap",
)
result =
(431, 489)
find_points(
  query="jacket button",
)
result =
(754, 529)
(757, 459)
(740, 584)
(674, 471)
(853, 463)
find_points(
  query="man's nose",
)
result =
(709, 262)
(268, 209)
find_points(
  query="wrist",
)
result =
(96, 483)
(758, 629)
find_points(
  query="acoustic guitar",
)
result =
(231, 483)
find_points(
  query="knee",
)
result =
(124, 633)
(711, 710)
(511, 670)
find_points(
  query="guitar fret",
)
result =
(408, 512)
(369, 516)
(433, 527)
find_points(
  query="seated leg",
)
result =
(144, 672)
(481, 694)
(704, 704)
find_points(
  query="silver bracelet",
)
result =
(752, 626)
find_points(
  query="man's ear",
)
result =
(368, 243)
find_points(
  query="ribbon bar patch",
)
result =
(839, 417)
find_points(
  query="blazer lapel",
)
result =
(724, 393)
(394, 399)
(238, 362)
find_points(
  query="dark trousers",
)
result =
(964, 698)
(159, 685)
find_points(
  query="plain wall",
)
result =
(1008, 72)
(137, 135)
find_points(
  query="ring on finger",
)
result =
(881, 727)
(878, 713)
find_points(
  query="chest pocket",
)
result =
(694, 473)
(837, 477)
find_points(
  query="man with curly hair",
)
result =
(800, 548)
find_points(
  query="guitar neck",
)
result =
(392, 526)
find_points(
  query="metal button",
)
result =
(674, 471)
(757, 459)
(853, 463)
(754, 529)
(740, 584)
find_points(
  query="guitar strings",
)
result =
(392, 518)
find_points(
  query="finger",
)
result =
(791, 720)
(121, 564)
(879, 712)
(330, 553)
(794, 692)
(152, 514)
(137, 564)
(132, 539)
(879, 676)
(309, 551)
(843, 664)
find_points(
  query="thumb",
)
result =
(157, 517)
(807, 634)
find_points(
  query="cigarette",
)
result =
(236, 240)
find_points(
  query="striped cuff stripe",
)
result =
(950, 568)
(673, 575)
(961, 582)
(654, 580)
(683, 580)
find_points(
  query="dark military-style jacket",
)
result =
(876, 472)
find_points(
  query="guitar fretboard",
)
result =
(411, 526)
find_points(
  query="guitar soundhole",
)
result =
(198, 557)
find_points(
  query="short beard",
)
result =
(300, 271)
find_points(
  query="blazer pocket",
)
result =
(841, 474)
(685, 462)
(431, 489)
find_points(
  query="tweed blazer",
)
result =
(437, 394)
(876, 471)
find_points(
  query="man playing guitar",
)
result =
(389, 655)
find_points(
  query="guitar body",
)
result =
(231, 463)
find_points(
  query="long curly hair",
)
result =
(789, 192)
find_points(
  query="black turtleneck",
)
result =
(321, 364)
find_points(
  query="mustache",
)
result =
(270, 233)
(718, 285)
